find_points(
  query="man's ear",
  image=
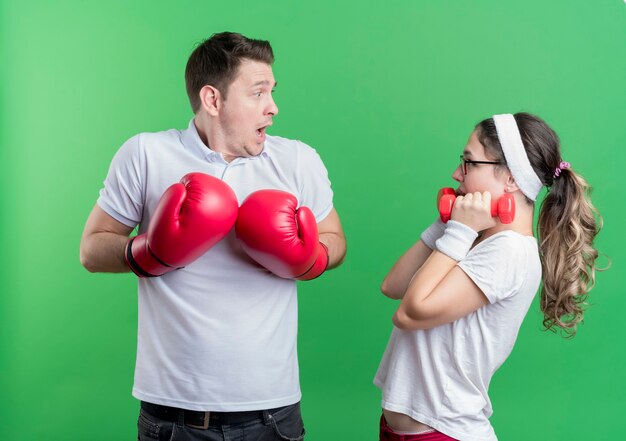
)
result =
(210, 100)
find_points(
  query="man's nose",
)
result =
(272, 108)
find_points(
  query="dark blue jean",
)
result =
(283, 424)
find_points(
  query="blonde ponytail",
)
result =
(567, 227)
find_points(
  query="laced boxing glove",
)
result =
(191, 217)
(503, 208)
(280, 236)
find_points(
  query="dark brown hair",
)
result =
(215, 62)
(568, 222)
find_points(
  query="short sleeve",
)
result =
(122, 196)
(497, 266)
(313, 183)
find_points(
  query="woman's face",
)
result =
(480, 177)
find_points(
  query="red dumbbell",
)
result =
(503, 208)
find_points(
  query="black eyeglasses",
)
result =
(464, 163)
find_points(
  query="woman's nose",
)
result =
(458, 174)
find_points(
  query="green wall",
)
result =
(387, 92)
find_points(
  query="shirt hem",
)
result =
(219, 407)
(108, 209)
(433, 422)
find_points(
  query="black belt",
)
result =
(202, 420)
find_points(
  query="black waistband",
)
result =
(200, 419)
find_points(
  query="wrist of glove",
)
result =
(319, 266)
(457, 240)
(141, 260)
(430, 235)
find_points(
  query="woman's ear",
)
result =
(510, 185)
(210, 100)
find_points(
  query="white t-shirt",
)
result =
(219, 334)
(441, 376)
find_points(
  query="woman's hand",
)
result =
(474, 210)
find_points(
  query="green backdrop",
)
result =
(387, 92)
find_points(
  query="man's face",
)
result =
(248, 109)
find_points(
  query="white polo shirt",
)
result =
(219, 334)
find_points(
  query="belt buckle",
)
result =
(205, 422)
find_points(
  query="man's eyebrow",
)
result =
(467, 153)
(264, 83)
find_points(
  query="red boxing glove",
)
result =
(281, 237)
(191, 217)
(503, 208)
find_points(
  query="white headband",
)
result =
(515, 155)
